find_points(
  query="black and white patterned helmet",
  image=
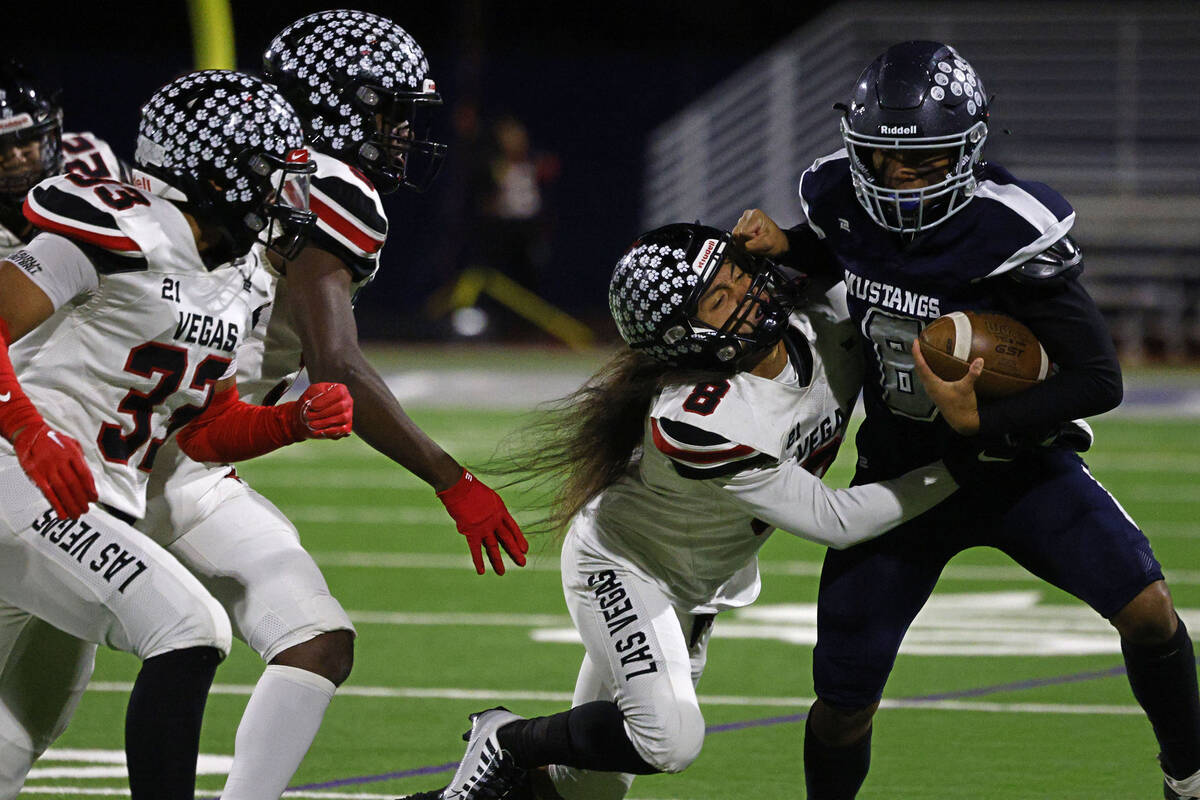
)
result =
(234, 149)
(361, 84)
(657, 285)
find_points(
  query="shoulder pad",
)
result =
(351, 223)
(121, 228)
(85, 211)
(1023, 218)
(88, 155)
(817, 180)
(699, 454)
(1058, 263)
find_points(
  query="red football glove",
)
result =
(324, 411)
(55, 463)
(481, 516)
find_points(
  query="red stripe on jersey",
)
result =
(344, 226)
(692, 456)
(121, 244)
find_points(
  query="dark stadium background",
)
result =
(590, 80)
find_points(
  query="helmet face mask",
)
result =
(232, 148)
(400, 152)
(30, 133)
(916, 99)
(284, 213)
(361, 85)
(656, 291)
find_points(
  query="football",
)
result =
(1013, 358)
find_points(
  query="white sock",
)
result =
(16, 757)
(1185, 787)
(279, 725)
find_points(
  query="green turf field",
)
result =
(1045, 715)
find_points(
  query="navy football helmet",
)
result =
(232, 148)
(361, 84)
(30, 132)
(916, 98)
(657, 285)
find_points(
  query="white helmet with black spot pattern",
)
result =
(232, 148)
(361, 84)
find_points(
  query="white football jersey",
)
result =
(724, 463)
(85, 154)
(352, 226)
(130, 356)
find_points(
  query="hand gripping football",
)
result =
(1013, 358)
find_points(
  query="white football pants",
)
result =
(95, 580)
(638, 656)
(248, 554)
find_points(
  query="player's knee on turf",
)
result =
(673, 742)
(1149, 618)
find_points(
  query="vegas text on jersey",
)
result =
(135, 305)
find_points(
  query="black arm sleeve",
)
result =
(1088, 381)
(808, 253)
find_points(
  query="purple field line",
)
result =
(1031, 683)
(386, 776)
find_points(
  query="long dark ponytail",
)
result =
(579, 445)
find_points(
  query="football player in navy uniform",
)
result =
(681, 456)
(120, 328)
(918, 225)
(361, 86)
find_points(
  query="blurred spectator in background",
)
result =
(499, 202)
(513, 226)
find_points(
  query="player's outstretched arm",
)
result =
(229, 430)
(51, 459)
(790, 498)
(319, 287)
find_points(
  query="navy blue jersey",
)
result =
(896, 285)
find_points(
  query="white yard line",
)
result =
(798, 703)
(549, 563)
(118, 792)
(386, 476)
(457, 618)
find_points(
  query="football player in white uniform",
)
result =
(361, 86)
(33, 147)
(713, 428)
(119, 327)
